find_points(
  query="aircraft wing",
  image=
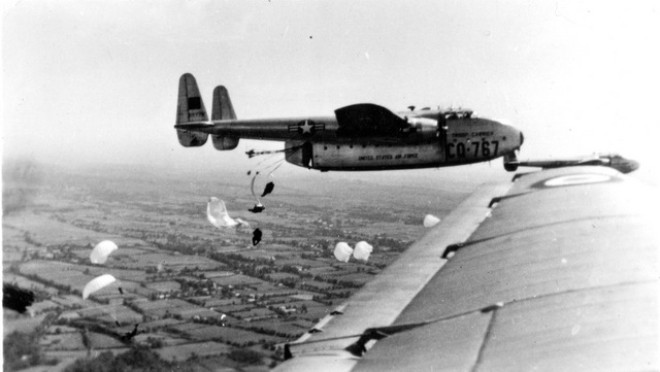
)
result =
(555, 271)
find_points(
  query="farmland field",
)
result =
(235, 335)
(178, 278)
(184, 351)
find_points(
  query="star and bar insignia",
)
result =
(306, 127)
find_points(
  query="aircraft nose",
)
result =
(517, 134)
(632, 165)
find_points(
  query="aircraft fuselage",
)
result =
(461, 141)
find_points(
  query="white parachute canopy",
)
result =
(430, 220)
(101, 252)
(216, 213)
(362, 251)
(97, 283)
(343, 251)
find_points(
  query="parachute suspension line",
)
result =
(270, 156)
(268, 168)
(276, 161)
(277, 165)
(252, 185)
(256, 198)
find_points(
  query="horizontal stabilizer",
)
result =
(195, 127)
(366, 119)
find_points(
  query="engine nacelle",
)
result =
(223, 143)
(511, 167)
(510, 162)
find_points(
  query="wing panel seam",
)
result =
(482, 347)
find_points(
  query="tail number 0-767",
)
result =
(474, 149)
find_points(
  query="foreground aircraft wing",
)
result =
(556, 271)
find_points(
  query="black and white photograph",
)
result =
(280, 185)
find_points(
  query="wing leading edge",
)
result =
(563, 275)
(381, 301)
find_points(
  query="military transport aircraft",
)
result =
(358, 137)
(555, 271)
(615, 161)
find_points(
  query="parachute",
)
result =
(430, 220)
(101, 252)
(216, 213)
(97, 283)
(343, 251)
(362, 251)
(258, 207)
(256, 236)
(268, 189)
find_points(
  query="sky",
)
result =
(95, 82)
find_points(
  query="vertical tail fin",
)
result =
(222, 107)
(190, 109)
(223, 110)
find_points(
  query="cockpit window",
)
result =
(458, 114)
